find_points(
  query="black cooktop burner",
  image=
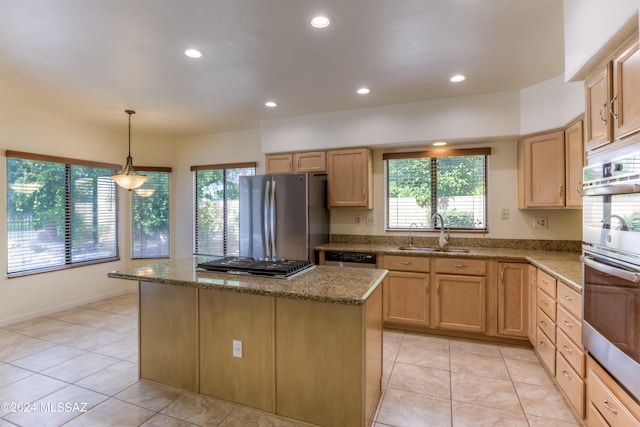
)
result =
(282, 268)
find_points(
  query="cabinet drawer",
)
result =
(546, 350)
(571, 352)
(546, 283)
(546, 304)
(570, 299)
(594, 419)
(405, 263)
(568, 324)
(470, 267)
(571, 383)
(607, 404)
(547, 325)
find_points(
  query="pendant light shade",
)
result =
(128, 178)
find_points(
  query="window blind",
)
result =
(150, 215)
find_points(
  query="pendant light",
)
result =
(128, 178)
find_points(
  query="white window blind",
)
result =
(452, 183)
(59, 212)
(150, 219)
(216, 213)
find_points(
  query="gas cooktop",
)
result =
(279, 269)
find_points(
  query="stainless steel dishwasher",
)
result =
(350, 259)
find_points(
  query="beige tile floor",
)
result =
(79, 367)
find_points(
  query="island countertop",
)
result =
(351, 286)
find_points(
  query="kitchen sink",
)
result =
(432, 249)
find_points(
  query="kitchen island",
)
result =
(311, 346)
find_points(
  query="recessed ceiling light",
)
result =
(457, 78)
(193, 53)
(270, 104)
(320, 22)
(363, 91)
(439, 144)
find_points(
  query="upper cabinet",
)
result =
(349, 176)
(313, 162)
(550, 168)
(612, 104)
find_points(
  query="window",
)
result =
(452, 183)
(59, 212)
(216, 218)
(150, 215)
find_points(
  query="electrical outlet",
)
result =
(358, 219)
(237, 348)
(504, 213)
(540, 222)
(371, 219)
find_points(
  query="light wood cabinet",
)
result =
(574, 162)
(598, 124)
(312, 162)
(349, 177)
(513, 299)
(612, 104)
(543, 169)
(406, 290)
(608, 403)
(461, 300)
(279, 163)
(531, 274)
(545, 344)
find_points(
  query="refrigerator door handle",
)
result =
(272, 232)
(265, 208)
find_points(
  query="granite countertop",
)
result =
(562, 265)
(351, 286)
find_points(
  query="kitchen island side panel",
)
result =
(168, 335)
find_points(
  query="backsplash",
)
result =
(549, 245)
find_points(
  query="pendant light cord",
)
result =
(129, 112)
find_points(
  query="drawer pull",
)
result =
(406, 263)
(568, 298)
(542, 343)
(545, 281)
(606, 405)
(544, 301)
(567, 324)
(459, 265)
(542, 322)
(566, 375)
(567, 349)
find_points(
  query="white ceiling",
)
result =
(94, 59)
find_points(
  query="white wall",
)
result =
(592, 30)
(502, 193)
(30, 130)
(470, 117)
(230, 147)
(551, 104)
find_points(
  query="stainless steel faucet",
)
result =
(443, 240)
(413, 224)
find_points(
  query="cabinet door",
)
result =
(279, 163)
(544, 170)
(625, 105)
(310, 162)
(513, 299)
(406, 298)
(461, 303)
(349, 178)
(598, 121)
(531, 274)
(574, 161)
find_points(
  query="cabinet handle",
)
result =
(579, 188)
(604, 119)
(459, 265)
(566, 374)
(363, 195)
(406, 263)
(545, 281)
(298, 163)
(502, 276)
(426, 285)
(438, 287)
(567, 324)
(542, 343)
(606, 405)
(567, 349)
(568, 298)
(544, 301)
(542, 322)
(613, 113)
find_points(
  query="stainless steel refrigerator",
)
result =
(283, 216)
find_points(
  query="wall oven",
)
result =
(611, 267)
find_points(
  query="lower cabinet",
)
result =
(607, 403)
(513, 299)
(461, 303)
(407, 298)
